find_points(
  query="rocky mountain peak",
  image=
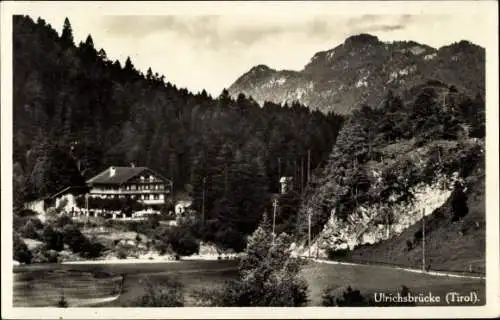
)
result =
(260, 68)
(361, 40)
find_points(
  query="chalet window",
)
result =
(156, 196)
(133, 187)
(161, 187)
(151, 178)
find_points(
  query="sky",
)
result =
(211, 50)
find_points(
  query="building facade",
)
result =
(138, 183)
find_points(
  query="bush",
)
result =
(20, 251)
(333, 254)
(91, 249)
(74, 238)
(459, 204)
(43, 255)
(29, 231)
(63, 221)
(228, 237)
(229, 294)
(62, 303)
(164, 292)
(53, 239)
(349, 298)
(122, 253)
(183, 243)
(409, 245)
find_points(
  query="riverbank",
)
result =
(155, 259)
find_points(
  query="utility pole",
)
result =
(301, 174)
(309, 232)
(295, 173)
(203, 203)
(86, 203)
(172, 193)
(308, 165)
(275, 207)
(279, 167)
(423, 239)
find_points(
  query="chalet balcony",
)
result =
(118, 192)
(152, 201)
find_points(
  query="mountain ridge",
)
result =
(360, 69)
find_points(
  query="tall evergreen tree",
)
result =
(67, 34)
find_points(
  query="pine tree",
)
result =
(67, 34)
(89, 43)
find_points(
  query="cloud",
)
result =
(215, 32)
(376, 23)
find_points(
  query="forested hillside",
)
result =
(411, 153)
(76, 112)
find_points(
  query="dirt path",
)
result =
(432, 273)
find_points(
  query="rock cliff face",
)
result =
(361, 69)
(366, 227)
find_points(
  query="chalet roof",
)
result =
(121, 175)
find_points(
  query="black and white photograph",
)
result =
(291, 155)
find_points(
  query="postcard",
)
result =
(250, 159)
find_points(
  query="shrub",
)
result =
(63, 221)
(62, 303)
(74, 238)
(122, 253)
(91, 249)
(183, 243)
(163, 247)
(20, 251)
(229, 294)
(53, 239)
(459, 204)
(18, 222)
(349, 298)
(409, 245)
(333, 254)
(29, 231)
(417, 236)
(228, 237)
(44, 255)
(164, 292)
